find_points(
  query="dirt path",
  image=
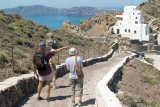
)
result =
(61, 95)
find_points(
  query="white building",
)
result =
(131, 24)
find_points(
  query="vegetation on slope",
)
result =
(151, 8)
(25, 36)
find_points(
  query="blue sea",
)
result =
(55, 22)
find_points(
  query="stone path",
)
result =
(61, 95)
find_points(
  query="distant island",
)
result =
(39, 10)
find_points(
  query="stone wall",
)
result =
(15, 88)
(104, 96)
(139, 48)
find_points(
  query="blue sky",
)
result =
(69, 3)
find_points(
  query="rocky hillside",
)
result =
(98, 26)
(37, 10)
(25, 36)
(151, 8)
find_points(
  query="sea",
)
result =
(55, 22)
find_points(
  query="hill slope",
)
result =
(26, 36)
(152, 10)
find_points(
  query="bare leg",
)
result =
(80, 99)
(40, 87)
(73, 99)
(48, 88)
(54, 81)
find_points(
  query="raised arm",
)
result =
(60, 49)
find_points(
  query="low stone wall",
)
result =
(139, 48)
(104, 96)
(15, 88)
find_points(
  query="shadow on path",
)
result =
(58, 87)
(60, 97)
(23, 100)
(89, 102)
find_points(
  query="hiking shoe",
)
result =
(49, 99)
(73, 104)
(39, 98)
(53, 87)
(79, 104)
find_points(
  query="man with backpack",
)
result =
(42, 68)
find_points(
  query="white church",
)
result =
(131, 24)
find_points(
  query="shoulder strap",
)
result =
(76, 64)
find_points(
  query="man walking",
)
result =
(42, 68)
(75, 80)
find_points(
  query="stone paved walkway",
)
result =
(61, 95)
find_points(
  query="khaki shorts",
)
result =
(76, 83)
(45, 78)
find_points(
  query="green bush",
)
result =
(150, 102)
(4, 57)
(20, 70)
(19, 53)
(130, 100)
(151, 78)
(23, 41)
(1, 11)
(149, 60)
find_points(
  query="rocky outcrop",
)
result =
(69, 27)
(99, 26)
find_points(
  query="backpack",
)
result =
(40, 61)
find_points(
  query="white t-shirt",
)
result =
(70, 62)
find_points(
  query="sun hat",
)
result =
(42, 44)
(72, 51)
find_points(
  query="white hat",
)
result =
(72, 51)
(52, 49)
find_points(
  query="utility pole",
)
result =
(11, 36)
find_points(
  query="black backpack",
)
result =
(40, 61)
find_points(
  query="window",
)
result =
(135, 32)
(129, 30)
(136, 22)
(119, 18)
(117, 31)
(133, 13)
(125, 30)
(136, 18)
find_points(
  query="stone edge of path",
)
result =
(104, 96)
(15, 88)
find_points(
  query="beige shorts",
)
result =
(76, 83)
(45, 78)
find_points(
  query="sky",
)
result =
(70, 3)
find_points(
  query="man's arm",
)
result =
(67, 67)
(60, 49)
